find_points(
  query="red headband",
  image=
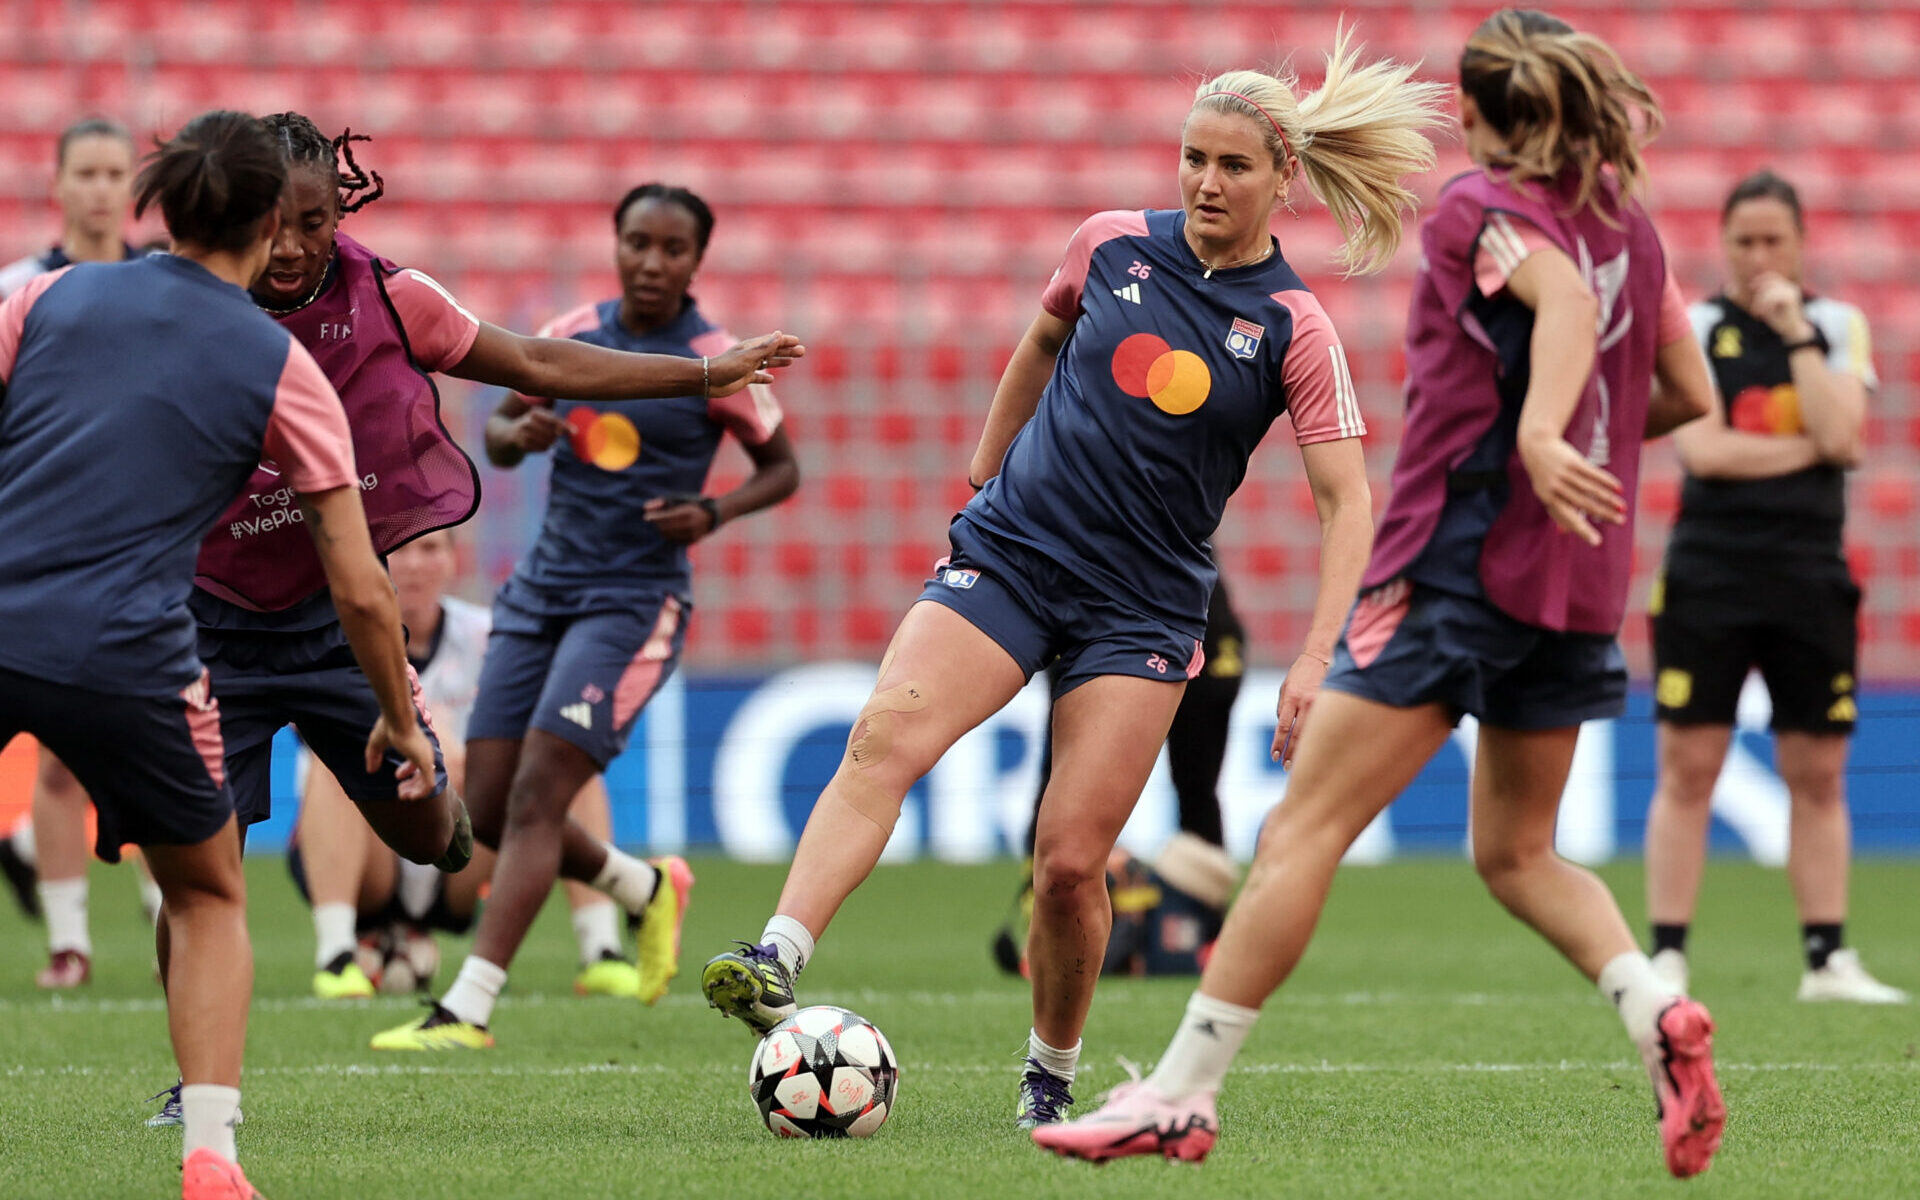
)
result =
(1269, 116)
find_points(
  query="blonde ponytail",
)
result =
(1356, 138)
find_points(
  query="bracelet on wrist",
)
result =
(1322, 660)
(713, 512)
(706, 378)
(1806, 343)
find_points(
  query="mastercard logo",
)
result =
(1774, 410)
(607, 440)
(1177, 381)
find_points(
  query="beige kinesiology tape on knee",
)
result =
(868, 745)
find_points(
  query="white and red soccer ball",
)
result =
(824, 1072)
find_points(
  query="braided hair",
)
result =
(304, 143)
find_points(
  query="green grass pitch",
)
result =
(1428, 1046)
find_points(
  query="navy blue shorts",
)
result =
(308, 680)
(1407, 644)
(1043, 614)
(583, 679)
(151, 764)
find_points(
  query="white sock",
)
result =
(65, 903)
(1205, 1045)
(629, 880)
(474, 990)
(23, 844)
(1059, 1063)
(332, 933)
(597, 928)
(790, 940)
(208, 1112)
(1631, 985)
(150, 897)
(417, 888)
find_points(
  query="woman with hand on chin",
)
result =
(1756, 576)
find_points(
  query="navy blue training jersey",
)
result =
(596, 551)
(138, 399)
(1168, 381)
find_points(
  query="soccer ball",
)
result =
(824, 1072)
(413, 958)
(400, 960)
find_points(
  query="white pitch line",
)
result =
(357, 1070)
(86, 1006)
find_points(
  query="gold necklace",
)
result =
(310, 297)
(1245, 262)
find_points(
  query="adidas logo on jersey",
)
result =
(1131, 293)
(580, 713)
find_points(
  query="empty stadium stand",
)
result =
(895, 181)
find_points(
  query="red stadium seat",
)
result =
(896, 179)
(795, 560)
(847, 494)
(864, 625)
(1891, 496)
(749, 629)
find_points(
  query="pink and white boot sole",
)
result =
(1137, 1120)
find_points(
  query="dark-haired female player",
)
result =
(112, 468)
(1542, 314)
(380, 332)
(592, 621)
(1168, 344)
(1756, 576)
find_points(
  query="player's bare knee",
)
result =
(1815, 790)
(1689, 784)
(1293, 826)
(532, 809)
(882, 727)
(1064, 874)
(487, 826)
(189, 895)
(1503, 866)
(881, 760)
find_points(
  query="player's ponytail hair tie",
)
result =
(1358, 137)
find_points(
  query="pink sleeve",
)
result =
(13, 318)
(1062, 296)
(438, 329)
(1675, 325)
(307, 436)
(1504, 244)
(1320, 398)
(750, 414)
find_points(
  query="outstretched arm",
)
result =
(566, 369)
